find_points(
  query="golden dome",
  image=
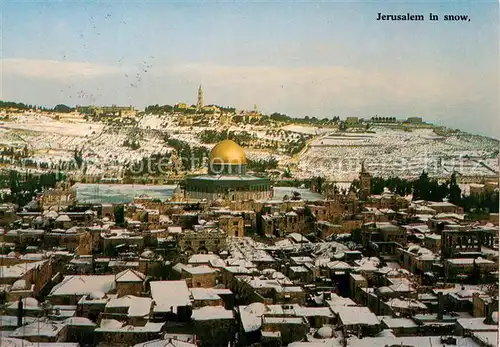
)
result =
(227, 152)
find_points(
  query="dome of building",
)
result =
(339, 255)
(256, 308)
(97, 295)
(148, 254)
(494, 317)
(217, 203)
(227, 178)
(324, 332)
(19, 285)
(384, 290)
(268, 271)
(228, 152)
(30, 302)
(277, 275)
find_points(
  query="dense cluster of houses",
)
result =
(383, 271)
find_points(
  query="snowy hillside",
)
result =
(386, 151)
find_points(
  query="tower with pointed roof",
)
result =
(199, 102)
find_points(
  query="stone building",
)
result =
(326, 229)
(207, 297)
(432, 242)
(108, 111)
(386, 236)
(129, 282)
(201, 276)
(456, 243)
(466, 266)
(232, 225)
(35, 275)
(274, 224)
(73, 288)
(41, 332)
(202, 241)
(213, 326)
(7, 214)
(283, 329)
(483, 304)
(73, 239)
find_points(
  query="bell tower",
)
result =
(199, 102)
(365, 183)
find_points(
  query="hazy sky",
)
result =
(320, 59)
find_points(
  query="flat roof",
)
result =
(170, 294)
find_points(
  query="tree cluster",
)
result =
(425, 188)
(132, 144)
(18, 105)
(262, 165)
(60, 108)
(157, 109)
(214, 136)
(184, 157)
(25, 186)
(25, 107)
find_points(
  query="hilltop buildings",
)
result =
(108, 111)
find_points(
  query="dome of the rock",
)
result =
(227, 178)
(228, 152)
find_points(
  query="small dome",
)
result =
(339, 255)
(217, 203)
(277, 275)
(413, 249)
(96, 295)
(423, 250)
(72, 230)
(465, 293)
(494, 317)
(386, 333)
(81, 321)
(30, 302)
(324, 332)
(256, 308)
(268, 271)
(227, 152)
(19, 285)
(50, 214)
(148, 254)
(12, 254)
(384, 289)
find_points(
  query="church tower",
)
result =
(365, 183)
(199, 103)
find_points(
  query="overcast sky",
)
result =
(304, 59)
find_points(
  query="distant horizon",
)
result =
(496, 137)
(316, 59)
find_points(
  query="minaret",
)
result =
(199, 103)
